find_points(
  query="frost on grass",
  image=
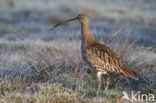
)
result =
(41, 71)
(37, 66)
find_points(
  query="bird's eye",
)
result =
(80, 16)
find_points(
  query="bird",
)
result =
(98, 56)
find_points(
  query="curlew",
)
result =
(97, 55)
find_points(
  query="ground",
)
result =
(39, 65)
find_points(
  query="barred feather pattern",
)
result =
(97, 55)
(105, 60)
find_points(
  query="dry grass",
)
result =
(55, 72)
(36, 66)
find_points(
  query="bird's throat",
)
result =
(87, 37)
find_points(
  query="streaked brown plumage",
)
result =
(105, 60)
(97, 55)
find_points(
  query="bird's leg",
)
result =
(108, 79)
(99, 78)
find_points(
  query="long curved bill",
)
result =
(71, 20)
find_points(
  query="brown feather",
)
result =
(105, 60)
(99, 56)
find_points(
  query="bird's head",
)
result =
(82, 18)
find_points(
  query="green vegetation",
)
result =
(40, 66)
(55, 74)
(56, 19)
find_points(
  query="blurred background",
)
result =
(32, 19)
(31, 54)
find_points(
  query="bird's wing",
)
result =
(103, 58)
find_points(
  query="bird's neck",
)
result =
(87, 37)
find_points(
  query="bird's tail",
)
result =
(129, 73)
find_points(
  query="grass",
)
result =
(56, 19)
(35, 70)
(52, 73)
